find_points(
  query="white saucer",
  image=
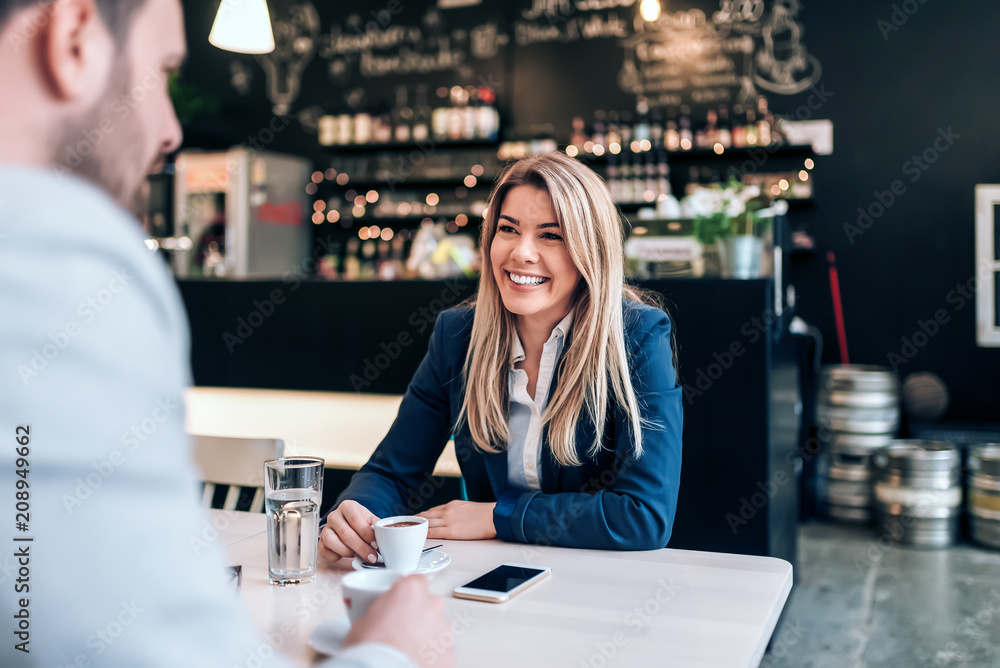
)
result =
(430, 562)
(329, 636)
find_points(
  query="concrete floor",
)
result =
(859, 604)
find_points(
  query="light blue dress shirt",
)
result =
(125, 570)
(524, 417)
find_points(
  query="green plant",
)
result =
(189, 100)
(726, 210)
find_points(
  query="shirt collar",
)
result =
(560, 330)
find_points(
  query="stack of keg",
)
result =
(918, 492)
(858, 413)
(984, 494)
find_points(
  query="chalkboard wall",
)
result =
(893, 81)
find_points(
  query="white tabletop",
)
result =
(343, 428)
(599, 608)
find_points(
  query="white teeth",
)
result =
(526, 280)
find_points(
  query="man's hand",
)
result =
(461, 520)
(348, 532)
(411, 619)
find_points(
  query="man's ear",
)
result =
(76, 50)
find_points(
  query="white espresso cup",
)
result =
(401, 546)
(361, 588)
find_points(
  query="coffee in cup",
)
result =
(401, 541)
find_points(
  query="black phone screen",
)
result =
(504, 578)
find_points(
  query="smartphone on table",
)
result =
(503, 583)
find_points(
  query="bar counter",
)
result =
(364, 340)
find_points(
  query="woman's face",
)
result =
(531, 263)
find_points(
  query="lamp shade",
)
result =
(243, 26)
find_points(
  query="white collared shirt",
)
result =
(524, 416)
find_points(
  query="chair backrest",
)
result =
(233, 470)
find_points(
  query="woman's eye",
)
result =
(506, 229)
(552, 235)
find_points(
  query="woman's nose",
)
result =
(524, 249)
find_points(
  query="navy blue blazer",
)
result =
(611, 501)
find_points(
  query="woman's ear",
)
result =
(75, 50)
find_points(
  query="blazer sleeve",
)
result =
(397, 480)
(635, 509)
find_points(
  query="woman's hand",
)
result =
(348, 532)
(461, 520)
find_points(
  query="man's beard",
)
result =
(100, 144)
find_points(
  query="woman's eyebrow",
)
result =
(518, 223)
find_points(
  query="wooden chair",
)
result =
(233, 470)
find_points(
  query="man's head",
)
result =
(85, 88)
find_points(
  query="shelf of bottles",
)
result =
(406, 186)
(655, 155)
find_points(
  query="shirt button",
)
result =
(548, 360)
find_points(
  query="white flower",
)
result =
(704, 201)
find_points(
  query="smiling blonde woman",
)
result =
(558, 383)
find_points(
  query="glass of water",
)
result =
(293, 490)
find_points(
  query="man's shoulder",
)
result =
(40, 201)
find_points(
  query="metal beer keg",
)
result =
(984, 494)
(858, 413)
(918, 492)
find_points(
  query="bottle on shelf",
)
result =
(421, 128)
(662, 174)
(488, 118)
(402, 117)
(705, 137)
(642, 125)
(352, 263)
(368, 268)
(362, 123)
(725, 127)
(686, 136)
(470, 113)
(345, 128)
(613, 174)
(650, 185)
(751, 127)
(327, 130)
(441, 117)
(613, 136)
(578, 138)
(739, 132)
(456, 113)
(626, 130)
(600, 129)
(763, 122)
(656, 129)
(672, 136)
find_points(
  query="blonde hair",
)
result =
(595, 357)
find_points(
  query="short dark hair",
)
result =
(116, 14)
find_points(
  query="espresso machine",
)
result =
(239, 214)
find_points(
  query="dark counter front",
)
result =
(738, 481)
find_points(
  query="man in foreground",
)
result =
(93, 360)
